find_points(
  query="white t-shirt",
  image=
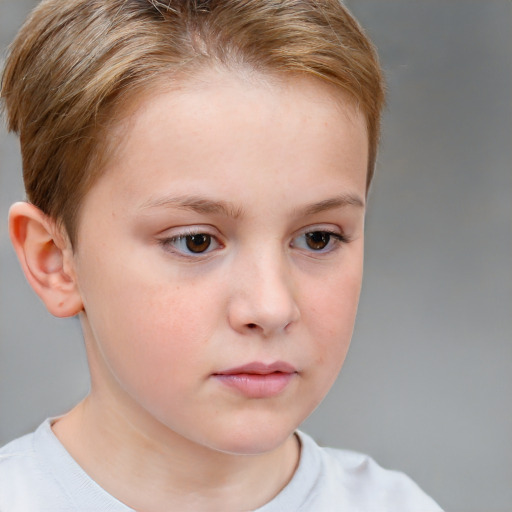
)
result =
(37, 474)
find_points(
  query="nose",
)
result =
(263, 299)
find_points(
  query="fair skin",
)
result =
(226, 231)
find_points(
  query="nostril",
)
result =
(252, 326)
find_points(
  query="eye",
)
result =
(318, 241)
(198, 243)
(190, 243)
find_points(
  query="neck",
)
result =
(149, 467)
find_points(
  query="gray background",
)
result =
(427, 386)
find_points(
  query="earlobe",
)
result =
(46, 258)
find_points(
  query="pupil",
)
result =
(198, 243)
(317, 240)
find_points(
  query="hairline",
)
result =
(123, 113)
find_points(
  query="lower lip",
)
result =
(257, 385)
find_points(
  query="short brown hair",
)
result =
(75, 62)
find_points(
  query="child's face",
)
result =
(227, 231)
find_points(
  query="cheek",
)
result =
(150, 333)
(331, 315)
(328, 314)
(334, 300)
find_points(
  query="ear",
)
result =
(46, 257)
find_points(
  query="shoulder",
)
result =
(376, 486)
(16, 456)
(37, 474)
(331, 479)
(21, 475)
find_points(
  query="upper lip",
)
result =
(259, 368)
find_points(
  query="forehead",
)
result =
(220, 88)
(221, 126)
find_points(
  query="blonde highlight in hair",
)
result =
(75, 64)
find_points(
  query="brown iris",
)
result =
(318, 240)
(198, 243)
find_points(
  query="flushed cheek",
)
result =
(330, 321)
(150, 336)
(169, 329)
(334, 304)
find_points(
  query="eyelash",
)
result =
(333, 243)
(169, 243)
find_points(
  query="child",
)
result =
(196, 173)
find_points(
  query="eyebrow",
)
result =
(207, 206)
(197, 204)
(332, 203)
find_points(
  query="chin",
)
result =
(253, 437)
(254, 445)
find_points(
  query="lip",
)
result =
(257, 379)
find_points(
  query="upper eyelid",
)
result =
(182, 231)
(325, 228)
(339, 237)
(337, 232)
(192, 232)
(213, 230)
(166, 242)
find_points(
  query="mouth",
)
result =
(258, 380)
